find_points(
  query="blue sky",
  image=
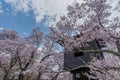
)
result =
(19, 21)
(24, 15)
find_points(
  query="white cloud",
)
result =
(114, 10)
(19, 5)
(52, 8)
(41, 7)
(2, 28)
(113, 3)
(25, 33)
(1, 10)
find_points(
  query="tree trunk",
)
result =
(39, 76)
(55, 77)
(5, 76)
(21, 76)
(118, 44)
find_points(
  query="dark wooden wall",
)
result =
(72, 62)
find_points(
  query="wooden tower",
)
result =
(76, 61)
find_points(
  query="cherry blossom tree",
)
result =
(87, 22)
(40, 56)
(8, 58)
(33, 58)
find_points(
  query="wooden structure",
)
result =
(76, 61)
